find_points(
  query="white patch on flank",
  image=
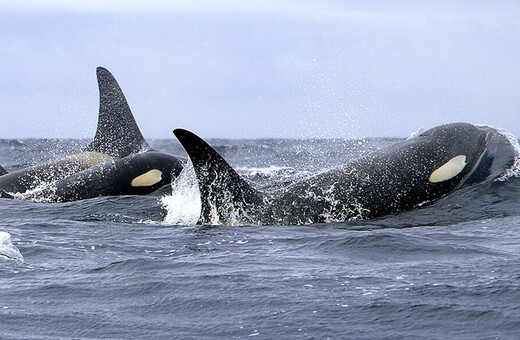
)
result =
(147, 179)
(449, 170)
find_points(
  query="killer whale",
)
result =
(118, 161)
(136, 174)
(403, 176)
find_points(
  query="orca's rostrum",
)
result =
(118, 161)
(403, 176)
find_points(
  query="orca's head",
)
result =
(146, 172)
(139, 174)
(454, 154)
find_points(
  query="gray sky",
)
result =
(267, 68)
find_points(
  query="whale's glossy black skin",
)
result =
(107, 166)
(114, 178)
(383, 182)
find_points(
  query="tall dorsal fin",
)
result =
(224, 194)
(117, 132)
(2, 171)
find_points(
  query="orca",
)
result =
(403, 176)
(136, 174)
(118, 161)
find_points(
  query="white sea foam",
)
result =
(183, 205)
(7, 249)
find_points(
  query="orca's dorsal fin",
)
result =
(223, 193)
(2, 171)
(117, 132)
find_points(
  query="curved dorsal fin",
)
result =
(117, 132)
(2, 171)
(221, 187)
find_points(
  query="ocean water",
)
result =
(138, 267)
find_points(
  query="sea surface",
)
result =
(139, 267)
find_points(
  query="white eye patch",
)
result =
(147, 179)
(449, 170)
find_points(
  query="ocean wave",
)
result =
(381, 244)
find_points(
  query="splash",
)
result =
(514, 170)
(36, 194)
(40, 180)
(337, 210)
(230, 213)
(183, 205)
(7, 249)
(416, 133)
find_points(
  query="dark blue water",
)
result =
(119, 267)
